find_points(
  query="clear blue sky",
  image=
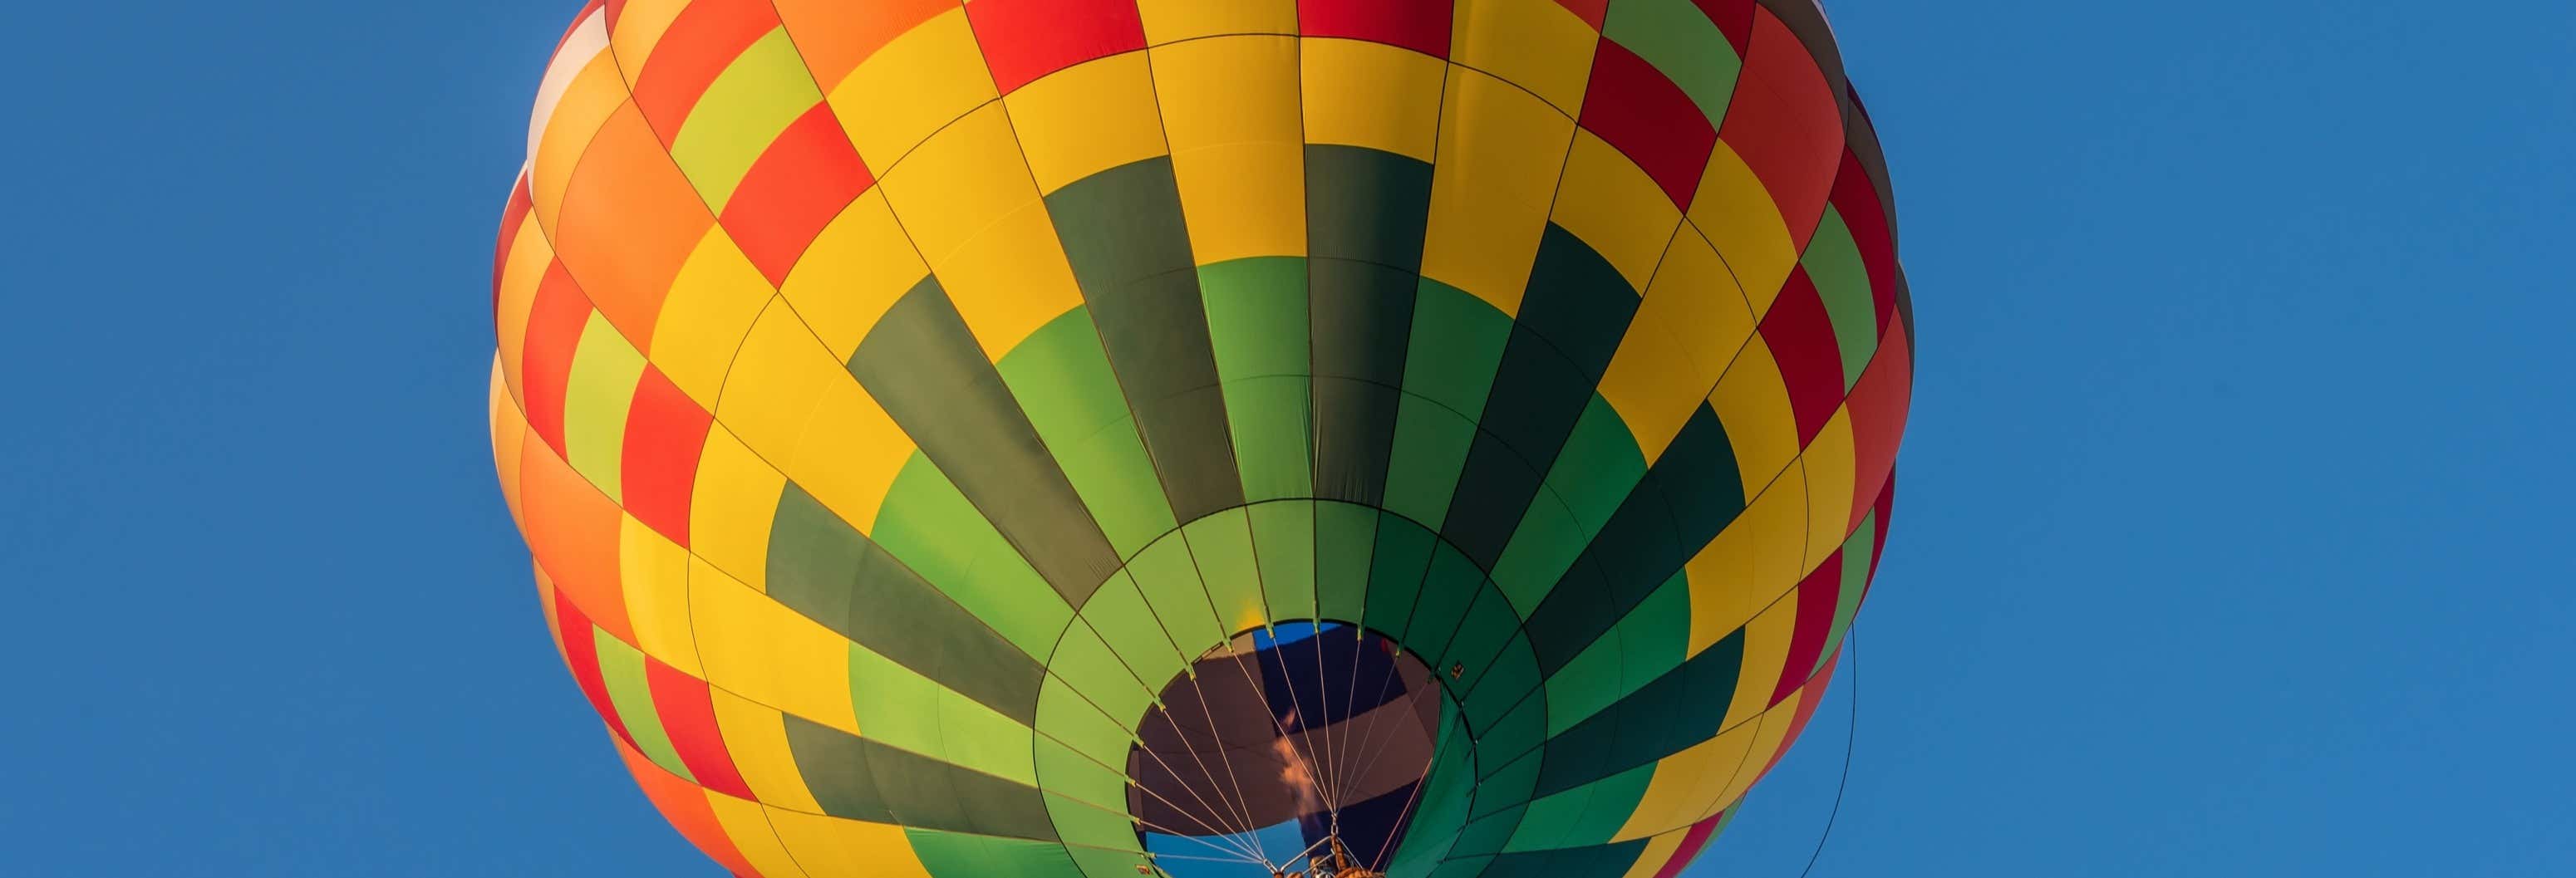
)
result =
(2232, 539)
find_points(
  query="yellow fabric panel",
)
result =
(1678, 794)
(1751, 562)
(849, 454)
(853, 271)
(711, 305)
(830, 847)
(756, 737)
(731, 506)
(1707, 309)
(1168, 20)
(1767, 734)
(1752, 400)
(1738, 215)
(1691, 322)
(1829, 488)
(747, 827)
(1535, 44)
(509, 436)
(924, 79)
(1659, 850)
(1713, 786)
(1500, 150)
(1380, 96)
(1766, 655)
(1610, 203)
(778, 378)
(521, 272)
(1230, 108)
(1087, 118)
(655, 575)
(758, 648)
(640, 26)
(977, 218)
(595, 94)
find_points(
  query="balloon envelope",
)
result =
(1066, 438)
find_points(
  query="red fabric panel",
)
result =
(1420, 25)
(665, 434)
(555, 321)
(689, 717)
(699, 45)
(1878, 408)
(1816, 599)
(1786, 124)
(1027, 39)
(1801, 335)
(1640, 111)
(1692, 841)
(795, 189)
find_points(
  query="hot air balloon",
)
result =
(1204, 438)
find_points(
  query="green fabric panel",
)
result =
(1254, 307)
(631, 692)
(1099, 863)
(1614, 799)
(1467, 867)
(1430, 449)
(1169, 580)
(1065, 716)
(958, 855)
(1487, 833)
(757, 96)
(1345, 536)
(1681, 43)
(1271, 420)
(834, 766)
(1062, 379)
(894, 705)
(1442, 808)
(1585, 685)
(1119, 614)
(1447, 589)
(928, 524)
(1397, 562)
(1655, 637)
(1856, 561)
(1221, 544)
(596, 398)
(1542, 549)
(1506, 684)
(974, 736)
(1599, 465)
(1488, 628)
(1283, 542)
(1457, 343)
(864, 779)
(1517, 735)
(1366, 205)
(1549, 820)
(1585, 861)
(1833, 262)
(1362, 314)
(1086, 662)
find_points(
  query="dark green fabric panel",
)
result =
(1590, 861)
(1361, 316)
(860, 779)
(1574, 312)
(1538, 395)
(1489, 625)
(1514, 740)
(1492, 826)
(1507, 682)
(1345, 542)
(1690, 494)
(1366, 205)
(1122, 225)
(826, 570)
(1397, 563)
(1447, 589)
(1680, 709)
(924, 366)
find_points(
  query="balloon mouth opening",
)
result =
(1297, 749)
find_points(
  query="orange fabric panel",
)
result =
(630, 219)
